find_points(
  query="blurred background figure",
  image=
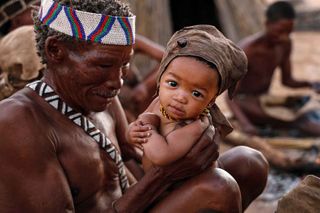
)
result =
(19, 62)
(140, 85)
(15, 13)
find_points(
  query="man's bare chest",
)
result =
(88, 168)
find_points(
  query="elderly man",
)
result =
(62, 142)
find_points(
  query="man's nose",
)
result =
(115, 80)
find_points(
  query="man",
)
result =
(61, 137)
(266, 51)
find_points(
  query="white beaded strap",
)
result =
(116, 30)
(48, 94)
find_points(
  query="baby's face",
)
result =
(187, 87)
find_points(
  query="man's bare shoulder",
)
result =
(18, 105)
(250, 41)
(20, 117)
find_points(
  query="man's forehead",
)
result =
(102, 51)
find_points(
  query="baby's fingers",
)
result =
(140, 140)
(140, 134)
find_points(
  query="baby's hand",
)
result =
(138, 133)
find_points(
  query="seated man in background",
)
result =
(266, 51)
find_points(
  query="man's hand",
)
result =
(199, 158)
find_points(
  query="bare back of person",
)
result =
(76, 180)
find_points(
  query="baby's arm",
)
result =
(140, 130)
(162, 151)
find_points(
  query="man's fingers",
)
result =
(204, 141)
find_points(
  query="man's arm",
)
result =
(286, 71)
(157, 180)
(245, 123)
(31, 178)
(146, 46)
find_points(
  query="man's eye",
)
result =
(126, 65)
(196, 94)
(105, 66)
(172, 83)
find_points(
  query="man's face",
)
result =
(187, 87)
(279, 31)
(91, 76)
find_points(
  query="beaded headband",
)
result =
(116, 30)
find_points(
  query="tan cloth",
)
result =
(18, 47)
(304, 198)
(208, 43)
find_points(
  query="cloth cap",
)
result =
(208, 43)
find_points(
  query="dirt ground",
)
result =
(305, 65)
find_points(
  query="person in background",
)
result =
(71, 123)
(266, 51)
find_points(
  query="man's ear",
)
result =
(55, 50)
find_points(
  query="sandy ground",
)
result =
(305, 65)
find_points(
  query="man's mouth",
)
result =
(106, 94)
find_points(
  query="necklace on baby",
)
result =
(205, 112)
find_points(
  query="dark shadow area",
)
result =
(190, 12)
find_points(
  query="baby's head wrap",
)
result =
(208, 43)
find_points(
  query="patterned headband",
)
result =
(116, 30)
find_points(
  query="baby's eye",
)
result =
(172, 83)
(196, 94)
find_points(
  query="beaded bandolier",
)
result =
(48, 94)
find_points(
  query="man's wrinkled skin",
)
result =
(48, 164)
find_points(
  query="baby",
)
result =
(198, 65)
